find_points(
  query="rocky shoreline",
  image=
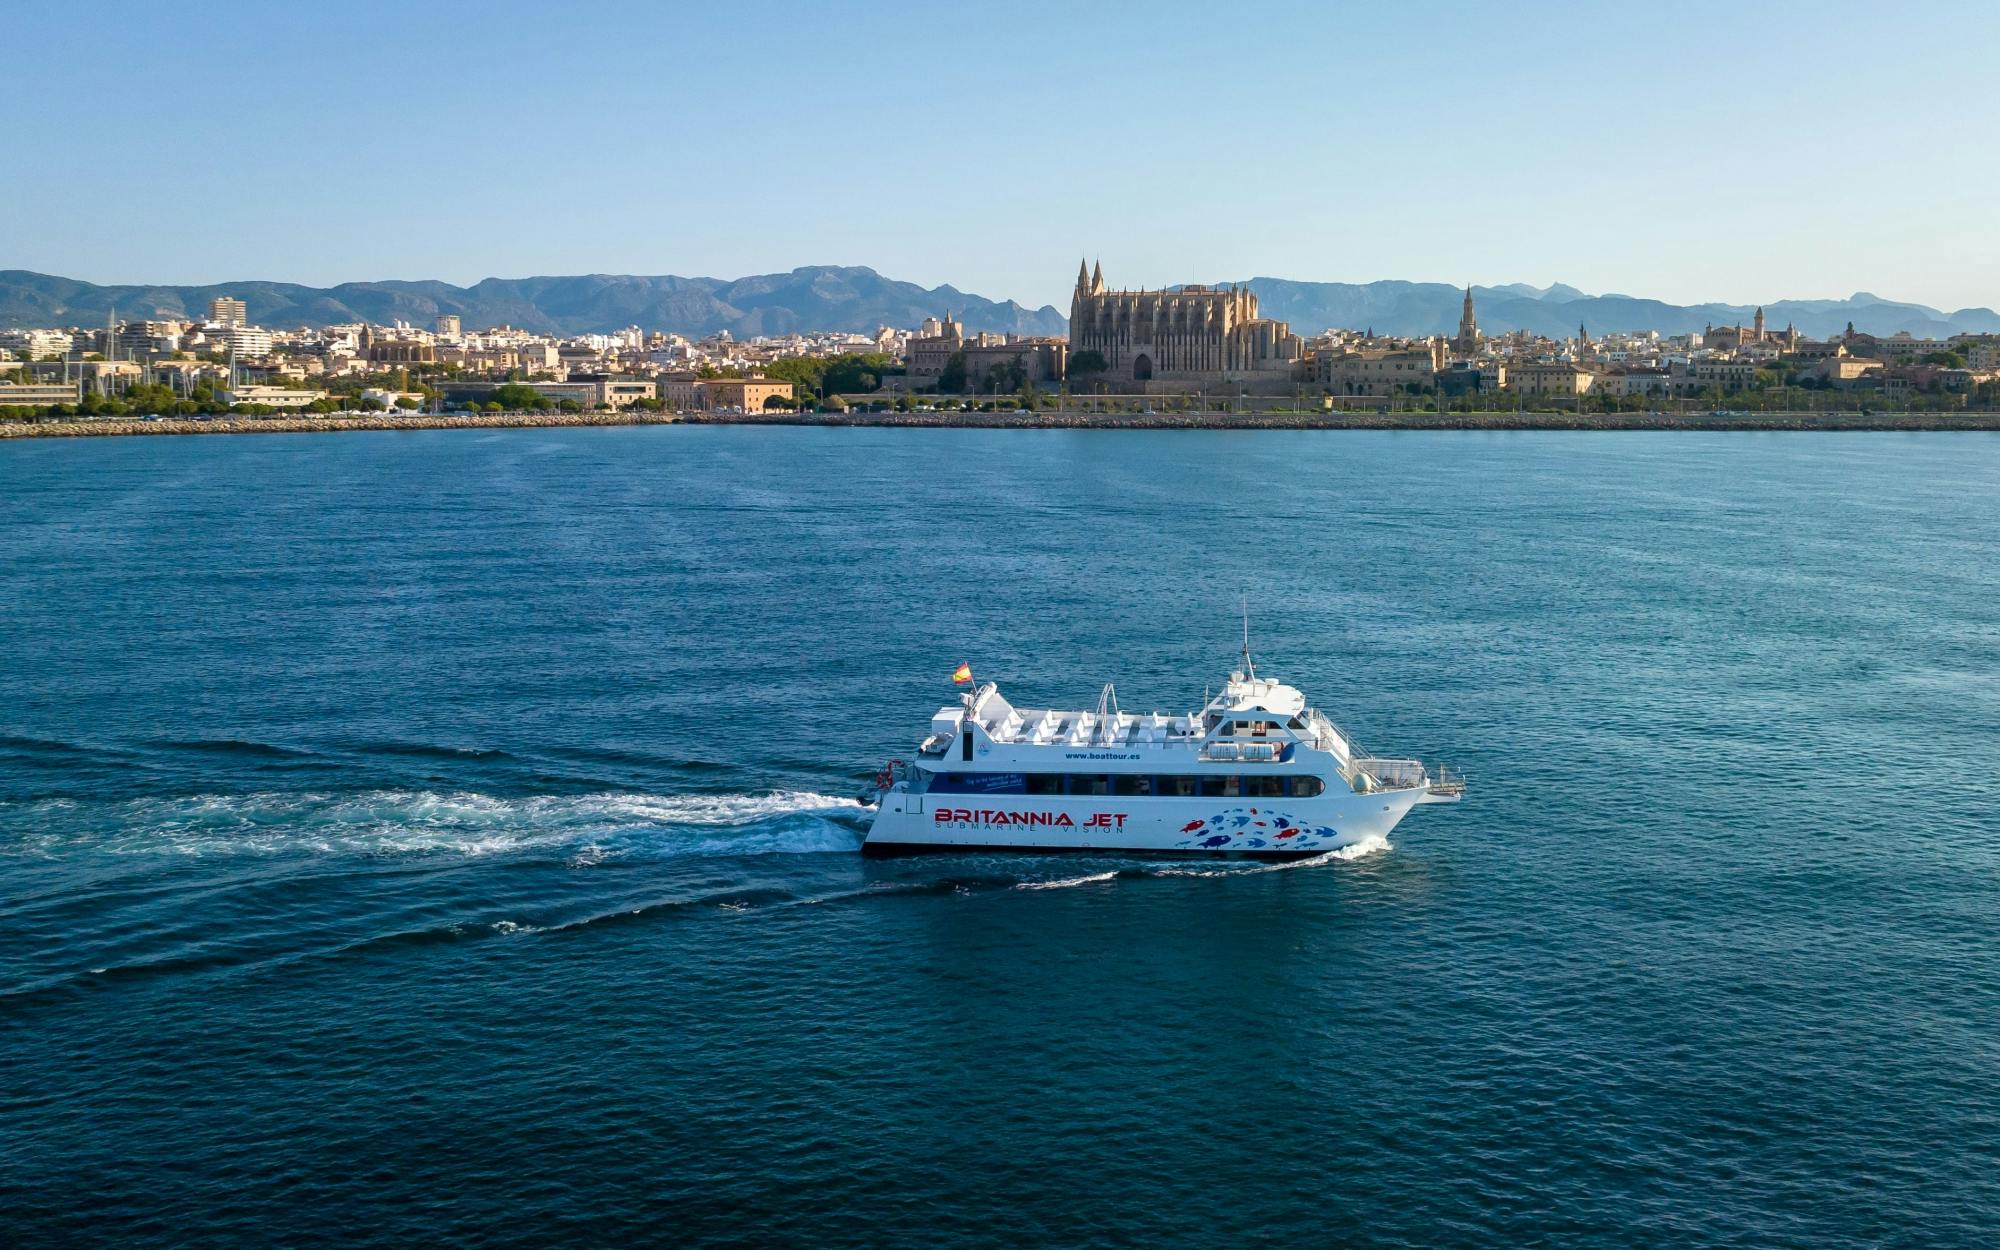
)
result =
(1846, 421)
(85, 428)
(1828, 421)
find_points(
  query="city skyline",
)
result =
(1686, 160)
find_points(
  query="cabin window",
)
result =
(1127, 783)
(1045, 783)
(1307, 787)
(980, 783)
(1263, 787)
(1089, 783)
(1174, 787)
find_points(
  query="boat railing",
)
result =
(1392, 774)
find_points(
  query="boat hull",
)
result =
(1274, 827)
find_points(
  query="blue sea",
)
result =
(447, 838)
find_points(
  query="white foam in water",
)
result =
(597, 826)
(1062, 883)
(1367, 846)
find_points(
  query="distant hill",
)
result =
(828, 297)
(1417, 308)
(818, 297)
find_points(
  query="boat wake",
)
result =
(1369, 845)
(588, 829)
(1063, 883)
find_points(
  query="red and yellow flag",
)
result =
(962, 674)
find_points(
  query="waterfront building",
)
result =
(749, 394)
(1729, 375)
(39, 394)
(931, 349)
(1013, 362)
(1378, 371)
(224, 311)
(1633, 380)
(600, 392)
(1550, 378)
(271, 396)
(1191, 336)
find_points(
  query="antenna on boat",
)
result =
(1249, 669)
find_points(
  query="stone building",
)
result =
(1467, 342)
(1040, 361)
(1549, 378)
(397, 351)
(1737, 337)
(931, 349)
(1373, 371)
(739, 394)
(1194, 336)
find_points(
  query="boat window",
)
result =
(1045, 783)
(1307, 787)
(980, 783)
(1263, 787)
(1174, 787)
(1219, 787)
(965, 751)
(1089, 783)
(1127, 783)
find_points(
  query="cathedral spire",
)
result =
(1097, 279)
(1082, 276)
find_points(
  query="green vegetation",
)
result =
(851, 373)
(951, 379)
(517, 397)
(1086, 367)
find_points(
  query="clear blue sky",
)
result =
(1745, 153)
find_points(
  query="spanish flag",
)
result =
(962, 674)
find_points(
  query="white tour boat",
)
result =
(1254, 772)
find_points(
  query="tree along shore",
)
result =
(1054, 419)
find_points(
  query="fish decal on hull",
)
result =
(1236, 828)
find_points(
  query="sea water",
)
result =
(448, 838)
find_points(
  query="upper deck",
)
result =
(1251, 720)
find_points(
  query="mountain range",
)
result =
(1417, 308)
(817, 297)
(855, 298)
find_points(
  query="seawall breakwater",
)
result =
(1853, 421)
(1801, 421)
(87, 428)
